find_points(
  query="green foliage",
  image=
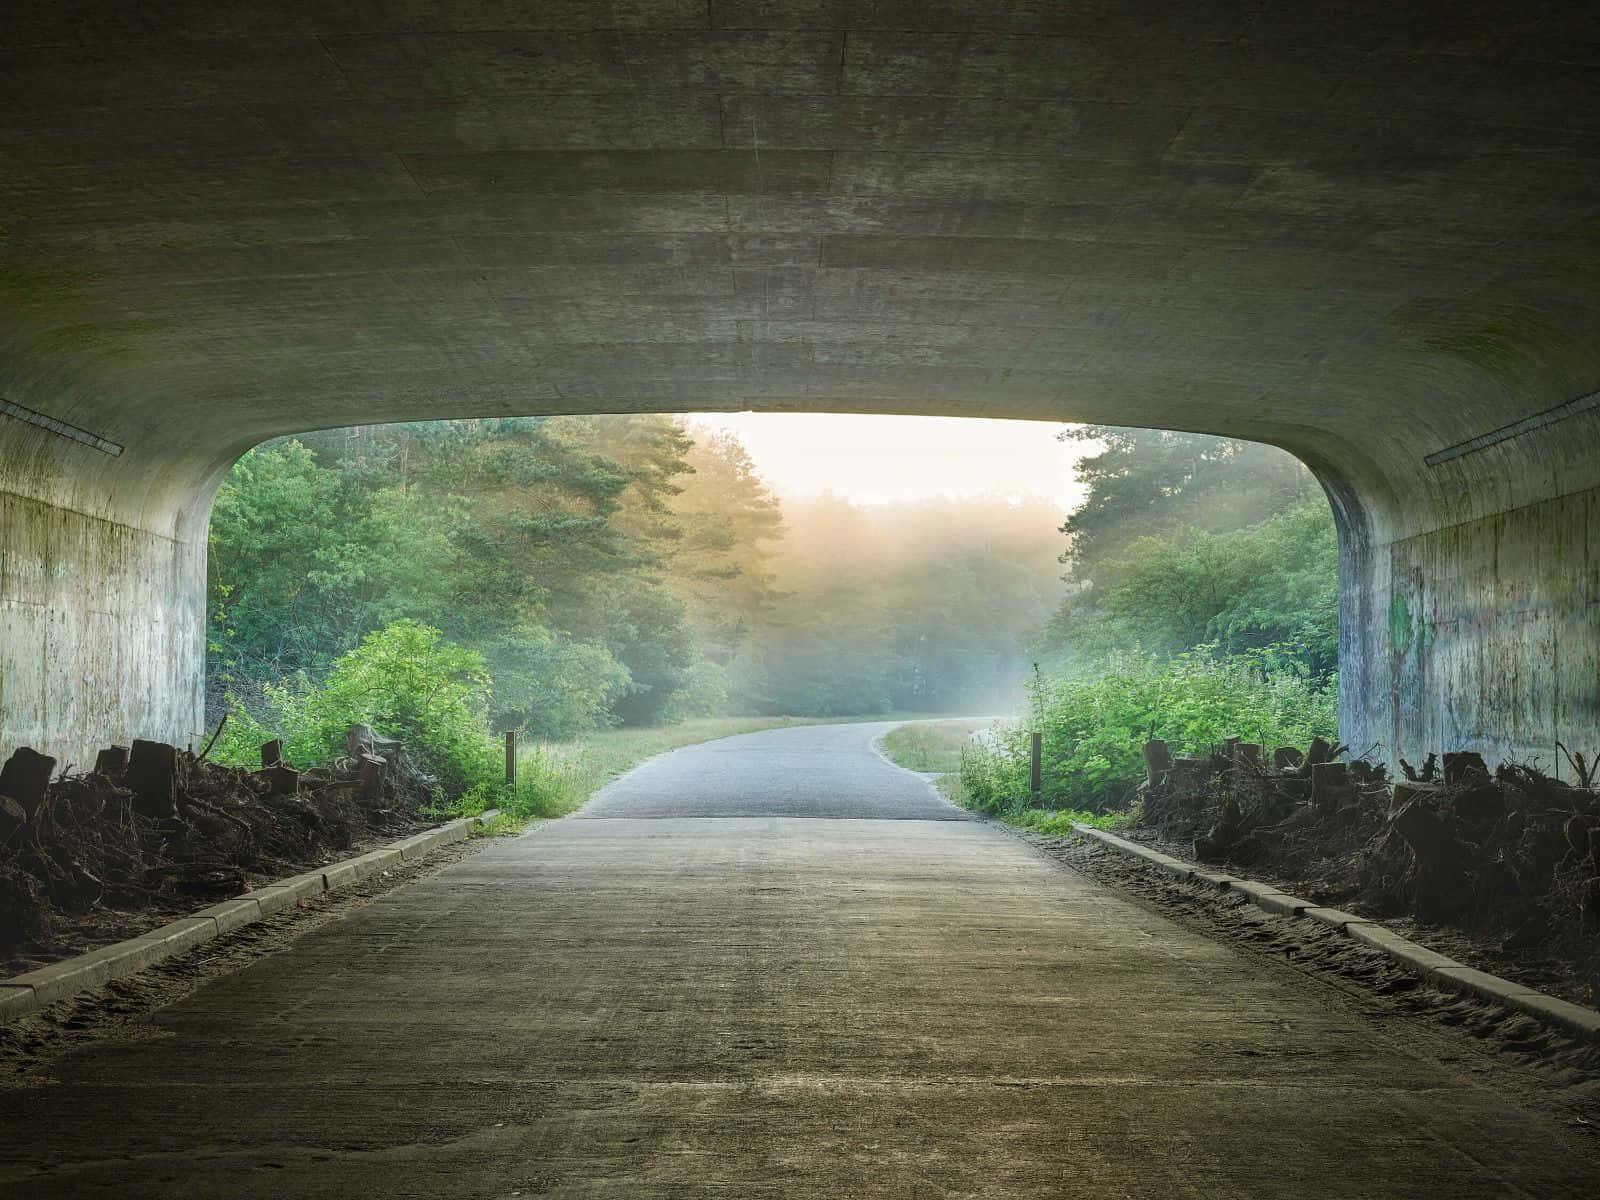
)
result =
(1154, 482)
(1057, 822)
(703, 693)
(406, 682)
(552, 688)
(1270, 584)
(1094, 725)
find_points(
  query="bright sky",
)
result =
(878, 459)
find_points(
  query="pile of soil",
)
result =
(154, 832)
(1509, 858)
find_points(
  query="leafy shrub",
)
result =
(405, 681)
(1094, 725)
(551, 688)
(703, 693)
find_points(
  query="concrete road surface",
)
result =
(772, 966)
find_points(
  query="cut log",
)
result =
(1287, 758)
(1444, 887)
(371, 771)
(271, 753)
(26, 778)
(1330, 783)
(112, 761)
(1249, 754)
(1157, 762)
(1320, 751)
(281, 780)
(153, 778)
(1464, 766)
(1405, 793)
(1480, 805)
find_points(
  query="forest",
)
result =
(588, 572)
(560, 575)
(1202, 602)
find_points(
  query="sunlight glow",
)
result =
(874, 459)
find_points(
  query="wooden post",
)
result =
(511, 758)
(1036, 768)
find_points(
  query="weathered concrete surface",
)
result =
(1364, 232)
(773, 1006)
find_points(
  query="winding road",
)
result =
(771, 966)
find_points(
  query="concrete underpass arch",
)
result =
(1369, 241)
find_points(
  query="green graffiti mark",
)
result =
(1399, 625)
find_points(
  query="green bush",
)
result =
(406, 682)
(543, 789)
(1094, 725)
(549, 687)
(703, 693)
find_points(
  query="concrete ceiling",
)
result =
(1364, 230)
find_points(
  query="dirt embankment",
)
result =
(154, 832)
(1501, 865)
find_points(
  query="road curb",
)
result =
(1435, 967)
(32, 990)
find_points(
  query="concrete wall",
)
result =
(101, 632)
(1483, 635)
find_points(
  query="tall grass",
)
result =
(931, 745)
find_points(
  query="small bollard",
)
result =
(1036, 768)
(511, 758)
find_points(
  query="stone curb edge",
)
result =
(31, 991)
(1435, 967)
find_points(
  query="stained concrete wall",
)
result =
(101, 631)
(1486, 635)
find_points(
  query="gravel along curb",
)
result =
(1437, 968)
(29, 992)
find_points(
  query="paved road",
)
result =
(886, 1001)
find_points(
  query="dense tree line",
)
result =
(1185, 540)
(1203, 602)
(612, 570)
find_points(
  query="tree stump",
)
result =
(153, 778)
(26, 778)
(1330, 782)
(1157, 763)
(1287, 758)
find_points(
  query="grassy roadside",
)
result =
(556, 778)
(932, 745)
(937, 746)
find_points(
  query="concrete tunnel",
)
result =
(1366, 231)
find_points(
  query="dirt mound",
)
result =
(1511, 856)
(154, 831)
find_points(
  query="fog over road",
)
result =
(773, 965)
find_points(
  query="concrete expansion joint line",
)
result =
(31, 991)
(1437, 968)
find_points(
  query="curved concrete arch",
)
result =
(1364, 233)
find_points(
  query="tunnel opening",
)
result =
(848, 567)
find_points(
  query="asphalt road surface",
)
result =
(772, 966)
